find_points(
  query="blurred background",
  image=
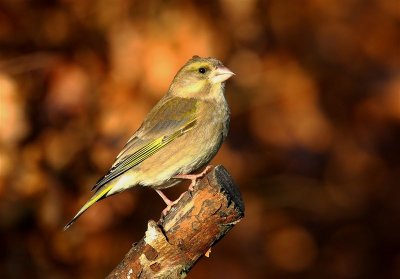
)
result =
(313, 145)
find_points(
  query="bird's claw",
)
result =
(170, 204)
(194, 177)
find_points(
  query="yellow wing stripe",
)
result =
(142, 154)
(127, 164)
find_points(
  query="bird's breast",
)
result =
(189, 152)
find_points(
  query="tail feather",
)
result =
(96, 197)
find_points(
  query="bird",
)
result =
(179, 136)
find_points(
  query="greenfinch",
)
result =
(180, 135)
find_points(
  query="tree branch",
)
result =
(172, 246)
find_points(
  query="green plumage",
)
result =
(170, 119)
(179, 135)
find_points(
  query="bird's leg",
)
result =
(168, 201)
(194, 177)
(164, 197)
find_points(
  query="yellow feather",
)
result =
(94, 199)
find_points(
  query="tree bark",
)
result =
(175, 243)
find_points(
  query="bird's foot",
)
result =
(168, 201)
(194, 177)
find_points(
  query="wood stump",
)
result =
(176, 242)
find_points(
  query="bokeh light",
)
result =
(313, 144)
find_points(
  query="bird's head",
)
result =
(200, 77)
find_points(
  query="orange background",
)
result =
(313, 145)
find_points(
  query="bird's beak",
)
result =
(221, 74)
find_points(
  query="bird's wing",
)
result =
(169, 119)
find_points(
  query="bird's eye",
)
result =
(202, 70)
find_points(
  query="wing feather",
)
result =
(160, 129)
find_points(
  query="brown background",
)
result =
(314, 143)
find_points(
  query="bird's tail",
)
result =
(96, 197)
